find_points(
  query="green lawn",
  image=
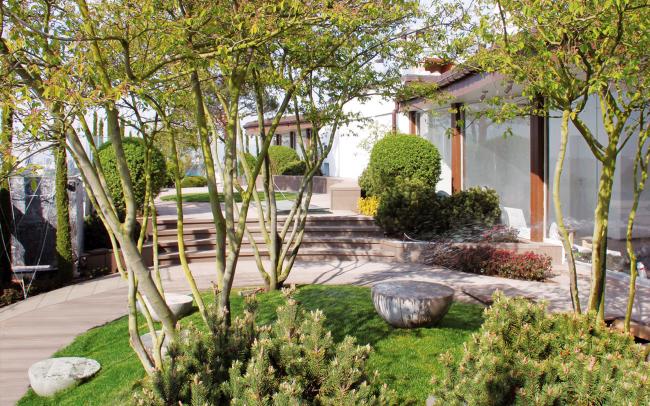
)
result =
(405, 359)
(204, 197)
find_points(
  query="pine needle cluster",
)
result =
(523, 355)
(294, 361)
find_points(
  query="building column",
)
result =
(458, 130)
(538, 179)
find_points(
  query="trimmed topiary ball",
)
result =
(134, 149)
(405, 156)
(281, 156)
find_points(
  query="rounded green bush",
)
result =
(134, 149)
(400, 155)
(281, 156)
(194, 181)
(410, 207)
(295, 168)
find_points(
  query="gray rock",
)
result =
(147, 341)
(180, 305)
(52, 375)
(410, 304)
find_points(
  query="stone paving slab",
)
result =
(35, 328)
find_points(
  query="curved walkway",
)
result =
(35, 328)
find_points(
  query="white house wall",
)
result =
(351, 148)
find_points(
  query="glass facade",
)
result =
(498, 156)
(434, 126)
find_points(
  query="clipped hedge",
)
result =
(524, 355)
(281, 156)
(295, 168)
(405, 156)
(134, 150)
(194, 181)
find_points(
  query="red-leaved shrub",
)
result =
(528, 266)
(484, 259)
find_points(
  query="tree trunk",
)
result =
(64, 256)
(640, 161)
(6, 212)
(559, 217)
(175, 167)
(599, 239)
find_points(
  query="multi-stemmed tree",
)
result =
(570, 53)
(352, 72)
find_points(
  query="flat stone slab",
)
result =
(180, 305)
(484, 293)
(53, 375)
(147, 342)
(410, 304)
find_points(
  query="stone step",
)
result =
(307, 254)
(362, 243)
(313, 230)
(324, 220)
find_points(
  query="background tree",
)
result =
(352, 72)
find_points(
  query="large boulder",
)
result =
(53, 375)
(410, 304)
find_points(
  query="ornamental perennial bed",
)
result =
(405, 359)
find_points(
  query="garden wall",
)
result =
(34, 209)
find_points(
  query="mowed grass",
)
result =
(205, 197)
(406, 359)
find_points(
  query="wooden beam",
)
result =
(457, 128)
(413, 129)
(537, 177)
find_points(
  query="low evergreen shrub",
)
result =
(525, 356)
(281, 156)
(294, 361)
(194, 181)
(409, 207)
(473, 206)
(134, 149)
(295, 168)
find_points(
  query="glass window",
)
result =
(498, 156)
(579, 185)
(434, 126)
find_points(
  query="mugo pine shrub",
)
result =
(525, 356)
(294, 361)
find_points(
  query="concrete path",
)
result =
(35, 328)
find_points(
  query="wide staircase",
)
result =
(326, 237)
